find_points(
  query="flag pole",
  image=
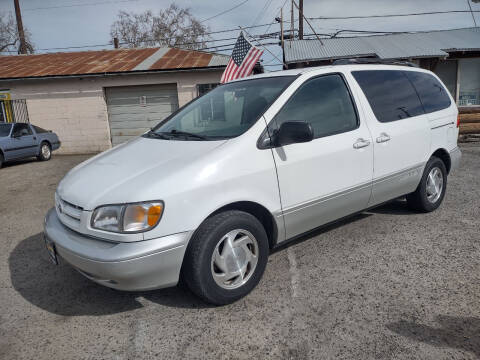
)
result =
(250, 36)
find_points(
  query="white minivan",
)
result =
(206, 194)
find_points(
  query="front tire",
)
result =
(1, 160)
(431, 190)
(226, 257)
(45, 152)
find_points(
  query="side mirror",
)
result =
(292, 132)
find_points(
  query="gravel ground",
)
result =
(387, 283)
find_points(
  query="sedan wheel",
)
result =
(45, 152)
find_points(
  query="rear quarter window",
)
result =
(390, 93)
(39, 130)
(432, 93)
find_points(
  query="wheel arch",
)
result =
(41, 143)
(46, 141)
(260, 212)
(443, 155)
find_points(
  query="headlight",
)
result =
(128, 218)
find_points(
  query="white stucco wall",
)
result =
(76, 110)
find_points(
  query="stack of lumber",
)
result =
(469, 120)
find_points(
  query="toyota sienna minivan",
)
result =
(206, 194)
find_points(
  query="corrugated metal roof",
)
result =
(106, 61)
(412, 45)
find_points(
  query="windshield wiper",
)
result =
(182, 133)
(152, 133)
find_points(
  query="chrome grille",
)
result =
(68, 213)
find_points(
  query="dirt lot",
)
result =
(385, 284)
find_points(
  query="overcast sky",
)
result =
(90, 24)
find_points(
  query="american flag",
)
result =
(244, 57)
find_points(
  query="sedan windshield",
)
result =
(5, 129)
(225, 112)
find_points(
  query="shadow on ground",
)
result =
(454, 332)
(19, 162)
(62, 290)
(394, 207)
(322, 230)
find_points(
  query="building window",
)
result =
(204, 88)
(447, 72)
(469, 82)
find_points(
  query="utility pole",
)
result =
(21, 34)
(281, 33)
(292, 24)
(300, 19)
(308, 22)
(281, 27)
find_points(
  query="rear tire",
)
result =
(1, 160)
(229, 243)
(45, 152)
(431, 190)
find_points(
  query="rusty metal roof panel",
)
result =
(177, 59)
(103, 61)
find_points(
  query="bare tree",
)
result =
(173, 26)
(9, 39)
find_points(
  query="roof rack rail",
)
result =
(373, 61)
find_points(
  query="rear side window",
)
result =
(432, 93)
(39, 130)
(325, 103)
(390, 94)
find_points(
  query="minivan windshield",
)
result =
(225, 112)
(5, 129)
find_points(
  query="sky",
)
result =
(68, 23)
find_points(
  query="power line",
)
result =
(390, 15)
(224, 12)
(236, 29)
(264, 46)
(259, 37)
(126, 43)
(471, 11)
(232, 46)
(261, 13)
(79, 5)
(191, 43)
(269, 26)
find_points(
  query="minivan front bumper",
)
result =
(132, 266)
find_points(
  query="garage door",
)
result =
(132, 110)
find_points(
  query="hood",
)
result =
(128, 172)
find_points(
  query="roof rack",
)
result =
(373, 61)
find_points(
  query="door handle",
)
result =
(361, 143)
(384, 137)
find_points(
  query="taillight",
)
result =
(458, 120)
